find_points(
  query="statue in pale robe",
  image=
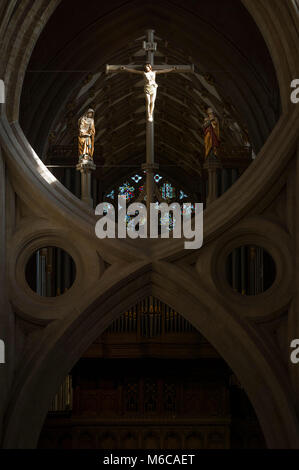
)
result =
(211, 134)
(86, 136)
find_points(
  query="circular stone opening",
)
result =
(250, 270)
(50, 271)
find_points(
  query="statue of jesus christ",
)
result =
(150, 85)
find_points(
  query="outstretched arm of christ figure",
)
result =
(172, 69)
(127, 69)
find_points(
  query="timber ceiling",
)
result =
(233, 74)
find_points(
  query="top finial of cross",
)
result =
(150, 46)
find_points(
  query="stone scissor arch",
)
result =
(64, 343)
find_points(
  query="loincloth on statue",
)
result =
(150, 89)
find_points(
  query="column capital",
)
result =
(150, 167)
(212, 163)
(85, 166)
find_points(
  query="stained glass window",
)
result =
(167, 191)
(130, 221)
(111, 194)
(157, 178)
(182, 194)
(107, 207)
(188, 209)
(127, 190)
(168, 220)
(136, 178)
(134, 185)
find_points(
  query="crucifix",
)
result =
(150, 90)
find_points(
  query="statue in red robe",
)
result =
(211, 134)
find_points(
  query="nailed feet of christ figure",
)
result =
(150, 85)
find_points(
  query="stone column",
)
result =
(85, 168)
(7, 317)
(212, 165)
(151, 169)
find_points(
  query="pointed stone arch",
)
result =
(64, 343)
